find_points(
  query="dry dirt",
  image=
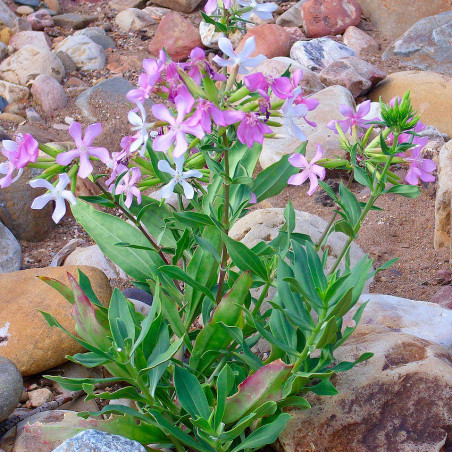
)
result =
(405, 228)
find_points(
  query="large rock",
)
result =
(7, 17)
(431, 95)
(271, 40)
(110, 93)
(329, 17)
(93, 256)
(101, 441)
(265, 224)
(13, 93)
(28, 62)
(177, 35)
(382, 402)
(40, 20)
(422, 319)
(73, 21)
(11, 254)
(32, 225)
(330, 100)
(34, 346)
(443, 199)
(319, 53)
(184, 6)
(49, 94)
(134, 19)
(357, 75)
(11, 387)
(84, 51)
(276, 67)
(393, 18)
(34, 38)
(426, 45)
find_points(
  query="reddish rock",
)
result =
(40, 20)
(177, 35)
(443, 297)
(329, 17)
(359, 41)
(48, 93)
(295, 34)
(355, 74)
(271, 40)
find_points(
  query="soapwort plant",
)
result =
(189, 365)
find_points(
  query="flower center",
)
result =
(251, 119)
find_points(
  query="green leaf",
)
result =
(224, 382)
(343, 226)
(177, 273)
(89, 359)
(273, 180)
(165, 356)
(346, 365)
(350, 205)
(64, 290)
(107, 230)
(267, 434)
(325, 387)
(244, 258)
(190, 394)
(295, 401)
(194, 219)
(101, 200)
(76, 384)
(407, 191)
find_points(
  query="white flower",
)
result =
(242, 59)
(179, 177)
(141, 128)
(57, 194)
(291, 112)
(262, 10)
(4, 335)
(5, 168)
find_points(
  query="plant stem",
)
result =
(261, 299)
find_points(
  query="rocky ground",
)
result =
(65, 60)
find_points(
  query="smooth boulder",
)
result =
(34, 346)
(11, 253)
(399, 400)
(11, 386)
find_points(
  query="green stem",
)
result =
(224, 253)
(261, 299)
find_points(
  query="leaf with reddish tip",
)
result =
(87, 325)
(262, 386)
(60, 287)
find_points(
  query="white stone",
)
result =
(86, 54)
(133, 19)
(93, 256)
(318, 53)
(330, 100)
(209, 37)
(422, 319)
(3, 51)
(11, 253)
(7, 17)
(28, 62)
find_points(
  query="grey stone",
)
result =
(133, 19)
(291, 17)
(184, 6)
(86, 54)
(11, 253)
(11, 386)
(138, 294)
(433, 134)
(426, 45)
(97, 441)
(121, 5)
(3, 104)
(7, 17)
(99, 36)
(318, 53)
(72, 20)
(113, 91)
(67, 61)
(3, 51)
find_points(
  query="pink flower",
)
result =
(281, 86)
(178, 126)
(310, 170)
(420, 168)
(205, 112)
(127, 186)
(197, 62)
(353, 119)
(19, 154)
(83, 149)
(251, 130)
(212, 5)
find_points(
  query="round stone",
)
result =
(12, 383)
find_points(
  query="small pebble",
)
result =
(40, 396)
(24, 10)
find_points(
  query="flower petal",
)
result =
(41, 201)
(91, 132)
